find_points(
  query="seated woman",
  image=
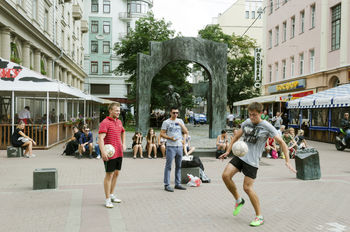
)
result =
(72, 145)
(222, 141)
(300, 139)
(291, 143)
(151, 143)
(271, 148)
(19, 139)
(162, 145)
(187, 144)
(137, 144)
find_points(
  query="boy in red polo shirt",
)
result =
(112, 132)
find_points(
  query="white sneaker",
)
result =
(32, 156)
(26, 156)
(109, 203)
(98, 157)
(268, 156)
(115, 199)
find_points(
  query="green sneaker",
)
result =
(257, 221)
(238, 208)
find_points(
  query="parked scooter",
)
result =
(339, 141)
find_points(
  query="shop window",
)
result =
(337, 115)
(294, 117)
(100, 89)
(319, 117)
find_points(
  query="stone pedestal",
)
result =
(45, 178)
(307, 163)
(184, 171)
(14, 152)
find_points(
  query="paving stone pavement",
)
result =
(288, 204)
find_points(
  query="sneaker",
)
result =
(115, 199)
(238, 207)
(109, 203)
(32, 156)
(98, 157)
(26, 156)
(268, 156)
(257, 221)
(180, 187)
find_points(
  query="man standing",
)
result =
(345, 124)
(112, 132)
(24, 115)
(172, 130)
(256, 131)
(277, 121)
(230, 119)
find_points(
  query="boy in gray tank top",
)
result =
(256, 132)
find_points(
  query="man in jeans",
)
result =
(171, 130)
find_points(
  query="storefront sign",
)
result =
(293, 85)
(293, 96)
(8, 74)
(257, 67)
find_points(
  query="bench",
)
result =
(45, 178)
(307, 163)
(14, 152)
(193, 171)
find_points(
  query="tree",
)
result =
(240, 63)
(138, 40)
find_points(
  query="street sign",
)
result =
(257, 67)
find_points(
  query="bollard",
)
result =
(45, 178)
(307, 163)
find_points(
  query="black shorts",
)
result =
(113, 164)
(248, 170)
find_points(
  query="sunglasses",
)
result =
(175, 112)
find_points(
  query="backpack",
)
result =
(71, 147)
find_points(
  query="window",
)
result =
(94, 26)
(128, 28)
(292, 31)
(292, 64)
(35, 9)
(94, 5)
(106, 6)
(106, 67)
(285, 1)
(270, 73)
(302, 21)
(301, 64)
(62, 39)
(284, 69)
(99, 88)
(106, 27)
(94, 46)
(336, 14)
(276, 71)
(46, 20)
(284, 37)
(313, 9)
(270, 39)
(319, 117)
(253, 14)
(271, 6)
(94, 67)
(277, 35)
(68, 18)
(247, 14)
(106, 47)
(312, 61)
(277, 4)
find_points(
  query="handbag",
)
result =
(23, 139)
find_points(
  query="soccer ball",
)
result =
(109, 149)
(239, 148)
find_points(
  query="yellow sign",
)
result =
(287, 86)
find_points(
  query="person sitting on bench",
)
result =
(19, 139)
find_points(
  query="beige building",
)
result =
(240, 16)
(45, 36)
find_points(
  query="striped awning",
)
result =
(330, 98)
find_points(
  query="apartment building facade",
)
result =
(109, 23)
(243, 14)
(45, 36)
(306, 46)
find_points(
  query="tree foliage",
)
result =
(138, 40)
(240, 63)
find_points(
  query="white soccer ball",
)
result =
(109, 149)
(240, 148)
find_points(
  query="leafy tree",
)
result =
(138, 40)
(240, 63)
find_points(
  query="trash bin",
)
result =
(307, 163)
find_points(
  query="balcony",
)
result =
(77, 13)
(84, 26)
(127, 16)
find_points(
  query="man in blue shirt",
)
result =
(85, 143)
